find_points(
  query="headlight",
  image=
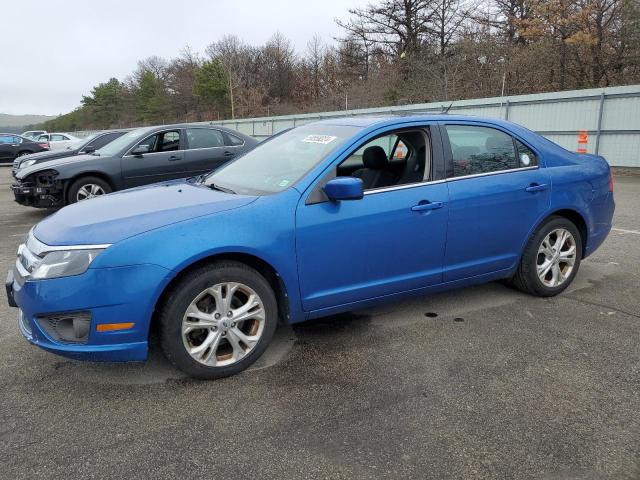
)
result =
(63, 263)
(26, 163)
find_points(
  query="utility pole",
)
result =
(231, 96)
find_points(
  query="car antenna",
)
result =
(444, 110)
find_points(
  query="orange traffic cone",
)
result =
(583, 140)
(400, 151)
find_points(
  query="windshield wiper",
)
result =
(197, 179)
(221, 189)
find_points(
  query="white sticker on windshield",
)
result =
(283, 183)
(323, 139)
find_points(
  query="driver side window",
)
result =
(478, 150)
(398, 158)
(162, 142)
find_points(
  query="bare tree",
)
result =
(399, 25)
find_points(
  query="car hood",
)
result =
(114, 217)
(25, 172)
(48, 155)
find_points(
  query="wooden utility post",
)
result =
(231, 96)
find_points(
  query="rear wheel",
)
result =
(86, 188)
(551, 258)
(218, 320)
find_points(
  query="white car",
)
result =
(33, 134)
(58, 141)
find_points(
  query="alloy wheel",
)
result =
(556, 257)
(223, 324)
(90, 190)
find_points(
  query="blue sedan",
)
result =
(324, 218)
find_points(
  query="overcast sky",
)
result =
(57, 50)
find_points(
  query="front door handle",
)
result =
(425, 205)
(536, 187)
(229, 154)
(173, 158)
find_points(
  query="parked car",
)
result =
(87, 145)
(325, 218)
(142, 156)
(13, 146)
(33, 134)
(58, 141)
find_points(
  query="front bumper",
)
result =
(111, 295)
(30, 195)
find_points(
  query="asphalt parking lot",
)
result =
(491, 383)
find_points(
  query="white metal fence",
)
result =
(611, 117)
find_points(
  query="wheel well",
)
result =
(578, 221)
(262, 267)
(99, 175)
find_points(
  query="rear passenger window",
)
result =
(526, 156)
(478, 150)
(204, 138)
(234, 141)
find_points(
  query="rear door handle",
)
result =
(229, 154)
(173, 158)
(536, 187)
(426, 205)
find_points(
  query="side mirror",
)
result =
(344, 188)
(88, 149)
(140, 150)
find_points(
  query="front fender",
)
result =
(263, 229)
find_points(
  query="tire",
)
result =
(528, 278)
(222, 360)
(84, 185)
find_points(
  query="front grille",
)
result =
(66, 327)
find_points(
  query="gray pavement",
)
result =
(497, 385)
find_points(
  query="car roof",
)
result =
(155, 128)
(374, 120)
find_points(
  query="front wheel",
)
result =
(218, 320)
(551, 258)
(86, 188)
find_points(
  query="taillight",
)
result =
(611, 181)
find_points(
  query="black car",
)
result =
(13, 146)
(142, 156)
(87, 145)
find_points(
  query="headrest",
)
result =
(499, 144)
(375, 157)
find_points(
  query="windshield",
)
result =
(82, 142)
(120, 143)
(281, 161)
